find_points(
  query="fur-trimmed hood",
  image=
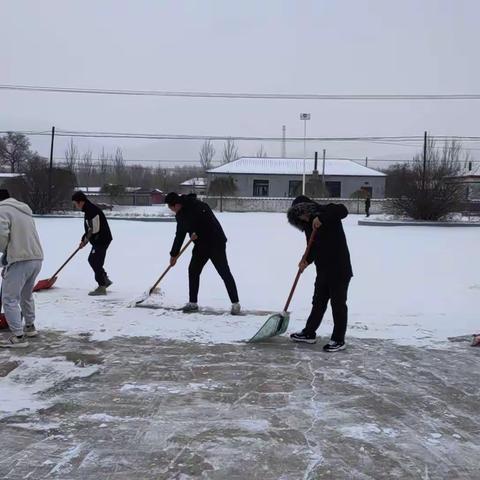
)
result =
(296, 211)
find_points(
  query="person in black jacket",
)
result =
(197, 219)
(334, 270)
(98, 233)
(368, 203)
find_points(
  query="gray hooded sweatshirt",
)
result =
(19, 240)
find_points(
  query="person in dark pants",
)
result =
(197, 219)
(334, 270)
(368, 202)
(98, 233)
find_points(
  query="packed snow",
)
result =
(21, 390)
(413, 285)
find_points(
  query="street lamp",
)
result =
(304, 117)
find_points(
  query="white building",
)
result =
(282, 177)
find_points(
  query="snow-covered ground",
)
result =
(414, 285)
(154, 394)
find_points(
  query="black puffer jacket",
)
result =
(197, 217)
(330, 250)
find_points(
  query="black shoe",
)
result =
(333, 346)
(303, 338)
(108, 282)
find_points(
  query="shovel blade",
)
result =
(44, 284)
(276, 324)
(140, 299)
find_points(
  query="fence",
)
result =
(281, 204)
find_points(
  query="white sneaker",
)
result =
(30, 331)
(236, 309)
(15, 342)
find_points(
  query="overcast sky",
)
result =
(277, 46)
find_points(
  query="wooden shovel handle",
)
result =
(62, 267)
(169, 267)
(297, 277)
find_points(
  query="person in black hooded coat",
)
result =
(332, 260)
(197, 219)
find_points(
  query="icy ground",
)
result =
(113, 392)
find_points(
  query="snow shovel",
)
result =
(155, 285)
(3, 320)
(49, 282)
(277, 324)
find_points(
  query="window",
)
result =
(334, 189)
(260, 188)
(294, 188)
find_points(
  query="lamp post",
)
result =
(304, 117)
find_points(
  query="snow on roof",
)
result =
(294, 166)
(11, 175)
(198, 182)
(89, 189)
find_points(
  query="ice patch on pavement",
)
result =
(366, 430)
(21, 390)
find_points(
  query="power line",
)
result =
(236, 95)
(153, 136)
(360, 160)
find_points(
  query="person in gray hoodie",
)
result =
(22, 261)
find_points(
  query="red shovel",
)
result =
(3, 320)
(49, 282)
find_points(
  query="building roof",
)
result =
(197, 182)
(89, 189)
(294, 166)
(10, 175)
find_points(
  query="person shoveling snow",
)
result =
(22, 262)
(98, 233)
(334, 270)
(197, 219)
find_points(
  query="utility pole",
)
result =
(304, 117)
(50, 171)
(366, 161)
(424, 161)
(284, 145)
(323, 171)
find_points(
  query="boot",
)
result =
(100, 290)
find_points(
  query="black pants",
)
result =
(335, 290)
(218, 256)
(367, 211)
(96, 259)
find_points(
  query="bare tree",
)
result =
(104, 167)
(230, 151)
(119, 168)
(71, 156)
(86, 169)
(431, 192)
(35, 185)
(207, 153)
(14, 151)
(261, 153)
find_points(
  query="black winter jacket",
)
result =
(197, 217)
(97, 231)
(330, 250)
